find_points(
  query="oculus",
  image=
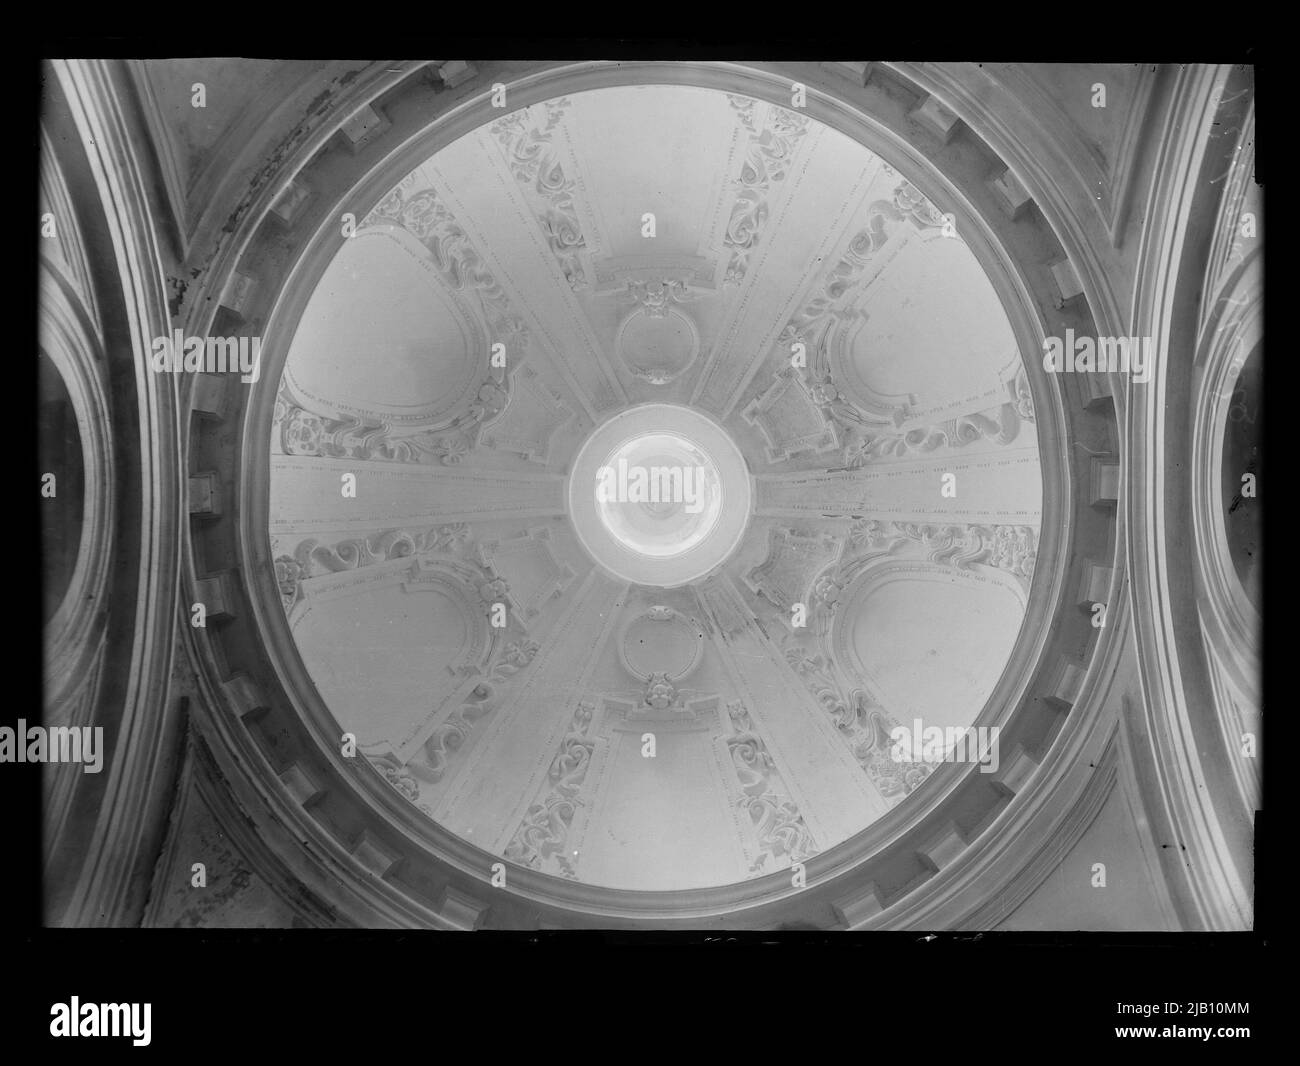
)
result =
(660, 495)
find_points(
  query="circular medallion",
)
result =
(660, 495)
(657, 346)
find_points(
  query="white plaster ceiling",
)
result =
(529, 739)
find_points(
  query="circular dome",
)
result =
(645, 461)
(659, 495)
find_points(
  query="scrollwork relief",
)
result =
(429, 765)
(312, 558)
(768, 155)
(449, 737)
(894, 780)
(811, 322)
(743, 106)
(868, 442)
(428, 220)
(870, 429)
(431, 762)
(654, 297)
(515, 656)
(1023, 399)
(780, 832)
(535, 163)
(863, 723)
(1011, 548)
(541, 841)
(660, 693)
(908, 204)
(305, 432)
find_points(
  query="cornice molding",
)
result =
(1187, 781)
(118, 854)
(1232, 621)
(72, 635)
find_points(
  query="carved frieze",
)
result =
(528, 141)
(656, 296)
(302, 431)
(312, 558)
(542, 840)
(814, 669)
(483, 693)
(863, 723)
(429, 765)
(797, 720)
(832, 298)
(830, 315)
(894, 779)
(477, 674)
(422, 214)
(866, 443)
(870, 436)
(1021, 397)
(777, 833)
(869, 424)
(462, 685)
(909, 204)
(745, 109)
(768, 156)
(1013, 548)
(432, 761)
(512, 411)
